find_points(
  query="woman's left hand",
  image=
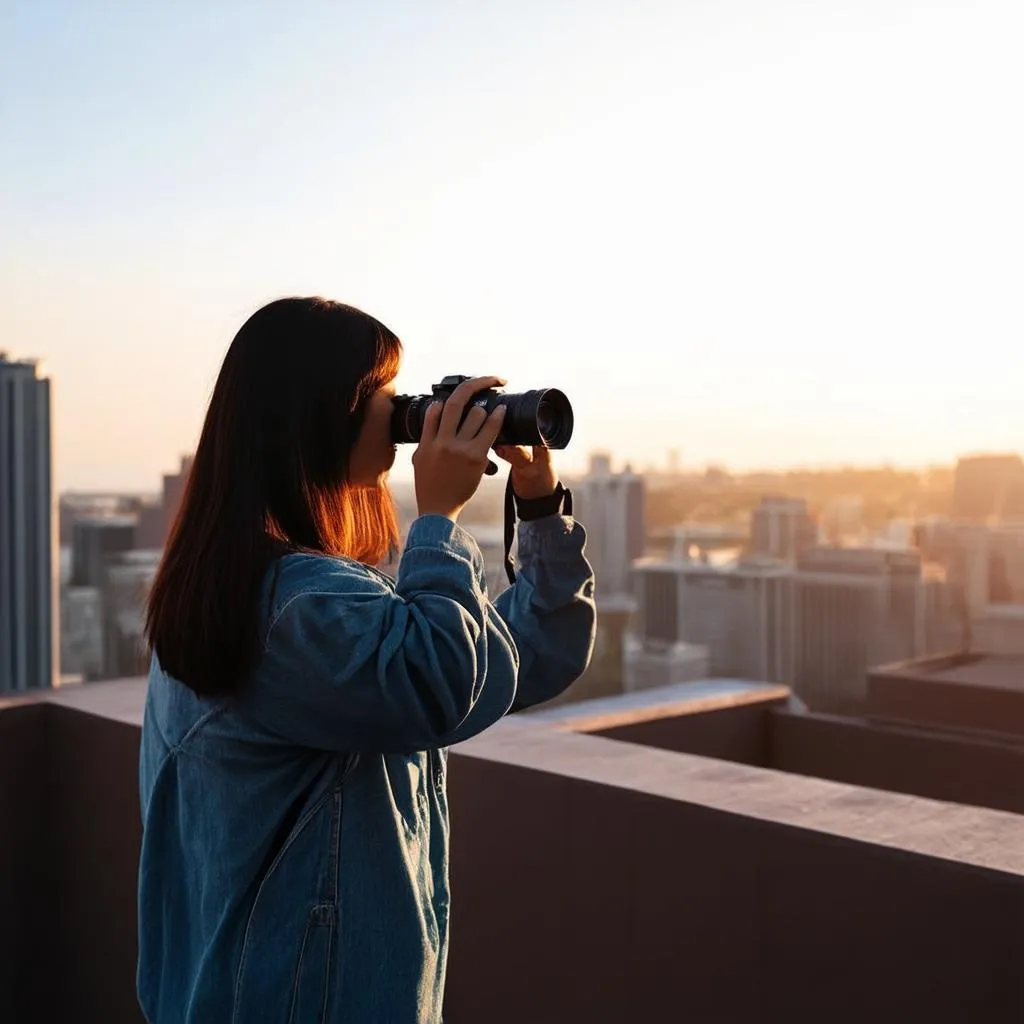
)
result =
(533, 475)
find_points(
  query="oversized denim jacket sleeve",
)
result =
(352, 662)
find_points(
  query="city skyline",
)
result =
(769, 237)
(402, 474)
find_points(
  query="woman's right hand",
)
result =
(450, 459)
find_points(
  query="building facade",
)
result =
(852, 609)
(782, 528)
(647, 666)
(817, 626)
(612, 506)
(96, 543)
(28, 618)
(738, 614)
(172, 496)
(989, 488)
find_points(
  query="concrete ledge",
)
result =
(122, 700)
(625, 709)
(929, 828)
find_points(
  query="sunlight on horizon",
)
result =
(764, 235)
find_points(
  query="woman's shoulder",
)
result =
(299, 573)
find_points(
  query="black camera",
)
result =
(542, 417)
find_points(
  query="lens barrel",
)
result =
(540, 417)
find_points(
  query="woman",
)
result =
(295, 847)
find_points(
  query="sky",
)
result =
(764, 233)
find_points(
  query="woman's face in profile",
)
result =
(373, 454)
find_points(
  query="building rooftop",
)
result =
(1002, 671)
(6, 359)
(1004, 610)
(746, 567)
(957, 693)
(104, 520)
(682, 854)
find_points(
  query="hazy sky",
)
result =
(762, 231)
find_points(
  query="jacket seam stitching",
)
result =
(327, 965)
(196, 726)
(296, 832)
(296, 981)
(335, 857)
(309, 592)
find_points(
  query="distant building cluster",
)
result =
(789, 610)
(804, 606)
(111, 548)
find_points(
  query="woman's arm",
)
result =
(351, 665)
(550, 608)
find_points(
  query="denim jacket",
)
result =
(294, 862)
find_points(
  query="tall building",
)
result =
(28, 620)
(149, 526)
(737, 614)
(81, 632)
(128, 580)
(985, 568)
(782, 528)
(853, 609)
(612, 505)
(989, 487)
(173, 493)
(842, 520)
(96, 542)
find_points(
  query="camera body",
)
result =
(540, 417)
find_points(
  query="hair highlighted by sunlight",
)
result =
(270, 475)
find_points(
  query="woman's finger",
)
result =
(459, 399)
(491, 429)
(515, 455)
(431, 419)
(471, 424)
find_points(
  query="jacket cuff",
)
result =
(433, 531)
(529, 509)
(550, 537)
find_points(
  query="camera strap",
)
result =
(510, 528)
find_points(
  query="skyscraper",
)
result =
(96, 543)
(989, 487)
(737, 614)
(173, 495)
(854, 608)
(612, 505)
(782, 528)
(27, 603)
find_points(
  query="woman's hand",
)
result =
(451, 458)
(533, 475)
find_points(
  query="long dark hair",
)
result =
(270, 475)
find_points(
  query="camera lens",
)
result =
(554, 419)
(407, 418)
(537, 417)
(546, 420)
